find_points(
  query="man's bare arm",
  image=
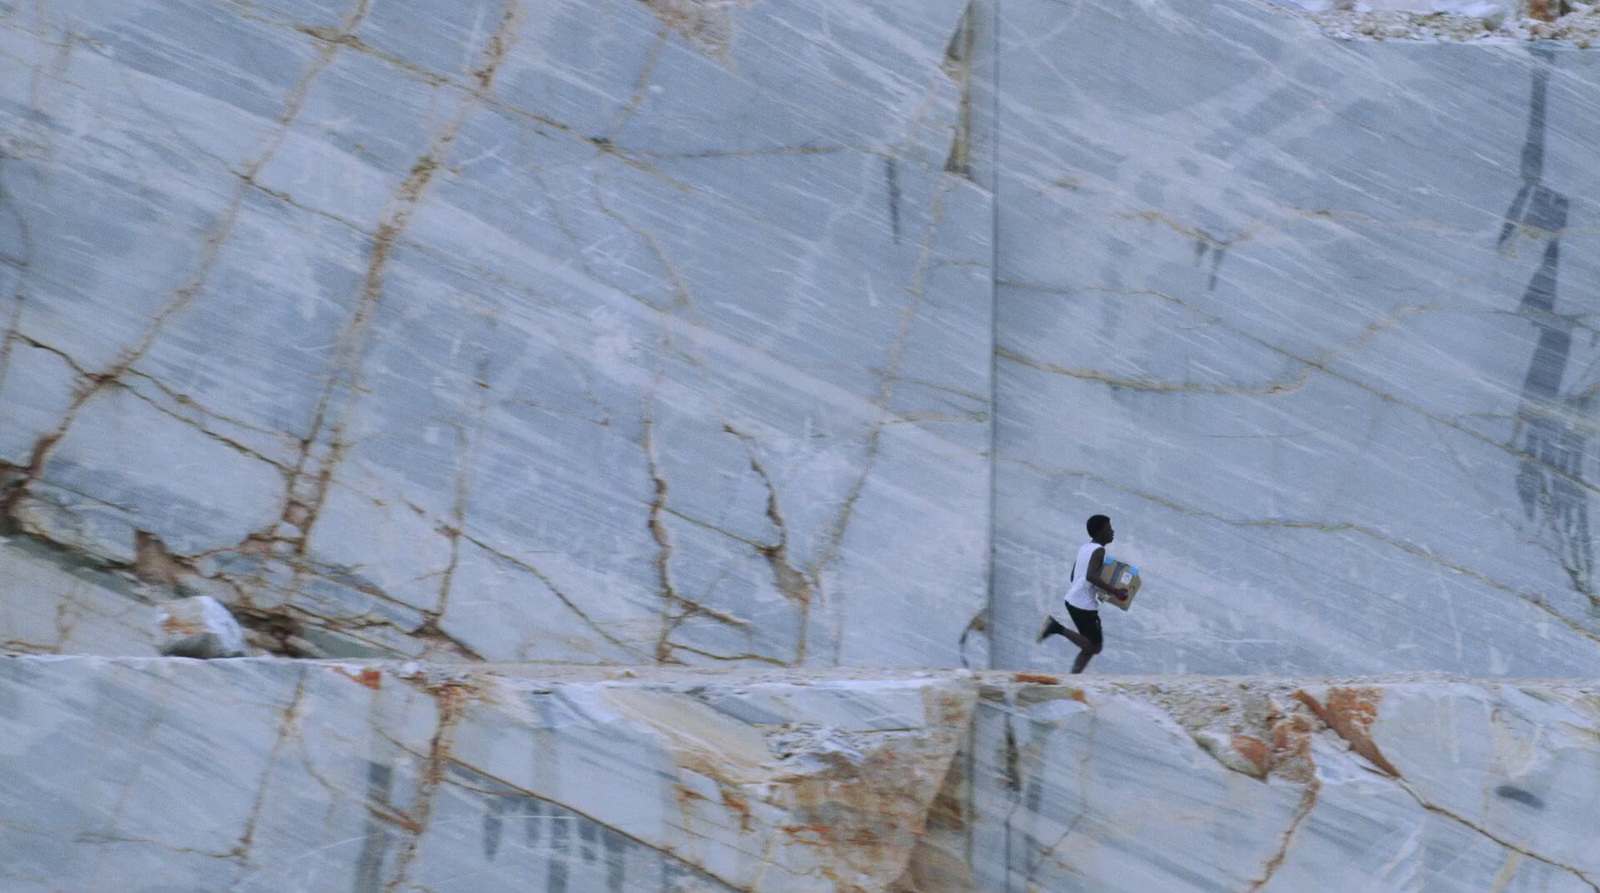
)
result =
(1096, 561)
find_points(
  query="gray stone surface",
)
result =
(1288, 308)
(323, 777)
(597, 331)
(625, 332)
(51, 603)
(306, 777)
(1359, 785)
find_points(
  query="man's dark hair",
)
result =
(1096, 524)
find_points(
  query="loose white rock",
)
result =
(198, 627)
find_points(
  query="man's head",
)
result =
(1100, 529)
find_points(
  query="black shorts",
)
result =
(1088, 623)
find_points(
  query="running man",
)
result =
(1083, 603)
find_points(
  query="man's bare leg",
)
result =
(1089, 638)
(1084, 656)
(1053, 627)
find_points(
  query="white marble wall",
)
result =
(51, 604)
(1291, 311)
(1276, 786)
(304, 777)
(624, 332)
(594, 330)
(288, 776)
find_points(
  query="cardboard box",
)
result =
(1118, 573)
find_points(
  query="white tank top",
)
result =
(1081, 594)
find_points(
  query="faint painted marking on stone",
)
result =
(496, 808)
(616, 851)
(533, 823)
(586, 841)
(1205, 245)
(375, 843)
(891, 173)
(1526, 798)
(1551, 429)
(560, 854)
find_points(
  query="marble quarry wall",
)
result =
(323, 777)
(800, 333)
(1281, 785)
(1313, 319)
(602, 331)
